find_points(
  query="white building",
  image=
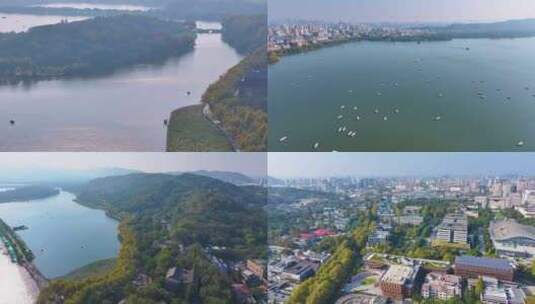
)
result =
(512, 239)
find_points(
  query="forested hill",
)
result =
(504, 29)
(201, 209)
(92, 46)
(170, 221)
(245, 33)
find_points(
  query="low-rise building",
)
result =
(258, 267)
(378, 237)
(442, 286)
(299, 271)
(398, 281)
(474, 267)
(176, 277)
(410, 220)
(503, 295)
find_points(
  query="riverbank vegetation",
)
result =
(183, 221)
(27, 193)
(239, 101)
(91, 47)
(16, 247)
(189, 130)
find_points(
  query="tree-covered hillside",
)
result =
(169, 221)
(245, 33)
(91, 46)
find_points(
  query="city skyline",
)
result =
(409, 11)
(288, 165)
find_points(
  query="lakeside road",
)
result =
(16, 284)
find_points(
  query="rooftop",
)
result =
(501, 264)
(398, 274)
(508, 229)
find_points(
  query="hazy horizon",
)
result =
(407, 11)
(379, 164)
(246, 163)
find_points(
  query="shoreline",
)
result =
(16, 283)
(274, 56)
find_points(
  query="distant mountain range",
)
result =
(71, 176)
(57, 176)
(510, 28)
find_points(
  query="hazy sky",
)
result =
(402, 10)
(249, 163)
(399, 164)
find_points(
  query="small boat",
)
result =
(358, 118)
(344, 129)
(165, 122)
(340, 130)
(467, 48)
(283, 139)
(508, 98)
(12, 122)
(376, 111)
(520, 144)
(355, 108)
(379, 94)
(437, 118)
(396, 110)
(316, 145)
(440, 95)
(340, 116)
(342, 107)
(385, 118)
(188, 93)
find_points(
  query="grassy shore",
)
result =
(190, 131)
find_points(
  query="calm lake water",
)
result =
(119, 112)
(21, 22)
(434, 96)
(63, 234)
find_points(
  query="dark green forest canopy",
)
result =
(168, 221)
(92, 46)
(199, 209)
(245, 33)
